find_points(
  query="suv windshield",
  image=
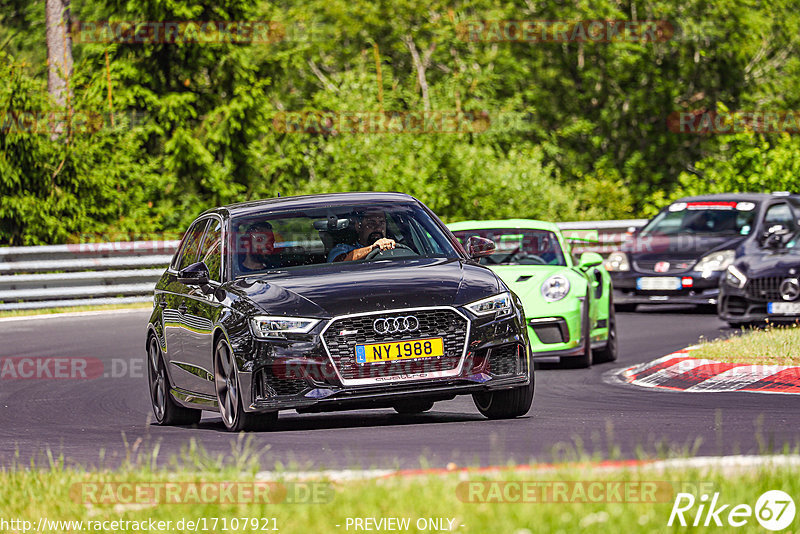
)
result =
(703, 217)
(280, 240)
(515, 246)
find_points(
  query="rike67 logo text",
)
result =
(774, 510)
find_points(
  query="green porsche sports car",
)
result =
(568, 304)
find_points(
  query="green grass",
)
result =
(68, 309)
(54, 492)
(772, 345)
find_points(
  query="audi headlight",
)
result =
(735, 277)
(555, 288)
(272, 327)
(617, 261)
(500, 304)
(716, 261)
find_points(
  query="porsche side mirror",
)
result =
(478, 247)
(590, 259)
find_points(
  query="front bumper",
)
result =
(307, 374)
(736, 306)
(699, 290)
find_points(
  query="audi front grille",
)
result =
(342, 335)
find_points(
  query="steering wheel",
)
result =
(400, 250)
(525, 256)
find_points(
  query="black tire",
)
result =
(610, 351)
(506, 404)
(583, 360)
(166, 411)
(625, 308)
(229, 398)
(413, 406)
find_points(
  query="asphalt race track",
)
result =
(99, 421)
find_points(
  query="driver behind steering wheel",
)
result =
(371, 231)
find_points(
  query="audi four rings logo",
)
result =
(790, 289)
(391, 325)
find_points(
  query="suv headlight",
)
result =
(555, 288)
(276, 327)
(500, 304)
(716, 261)
(735, 277)
(617, 261)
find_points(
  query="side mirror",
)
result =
(478, 247)
(773, 237)
(590, 259)
(195, 274)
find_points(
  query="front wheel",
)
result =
(229, 397)
(610, 350)
(505, 404)
(166, 410)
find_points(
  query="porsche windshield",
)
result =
(284, 240)
(697, 217)
(517, 246)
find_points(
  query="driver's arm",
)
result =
(361, 253)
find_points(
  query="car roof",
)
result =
(310, 201)
(530, 224)
(751, 197)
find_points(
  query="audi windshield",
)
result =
(288, 240)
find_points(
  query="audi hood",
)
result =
(354, 287)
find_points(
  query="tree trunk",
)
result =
(59, 56)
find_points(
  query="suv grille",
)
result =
(504, 360)
(447, 324)
(766, 288)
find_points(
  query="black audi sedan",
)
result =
(680, 255)
(331, 302)
(763, 285)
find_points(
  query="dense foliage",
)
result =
(576, 130)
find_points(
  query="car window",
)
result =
(211, 253)
(516, 246)
(191, 245)
(294, 239)
(703, 217)
(780, 214)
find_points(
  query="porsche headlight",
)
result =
(617, 261)
(500, 304)
(555, 288)
(276, 327)
(716, 261)
(735, 277)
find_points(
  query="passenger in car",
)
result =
(371, 230)
(257, 250)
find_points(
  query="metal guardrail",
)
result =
(53, 276)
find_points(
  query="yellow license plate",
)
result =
(400, 350)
